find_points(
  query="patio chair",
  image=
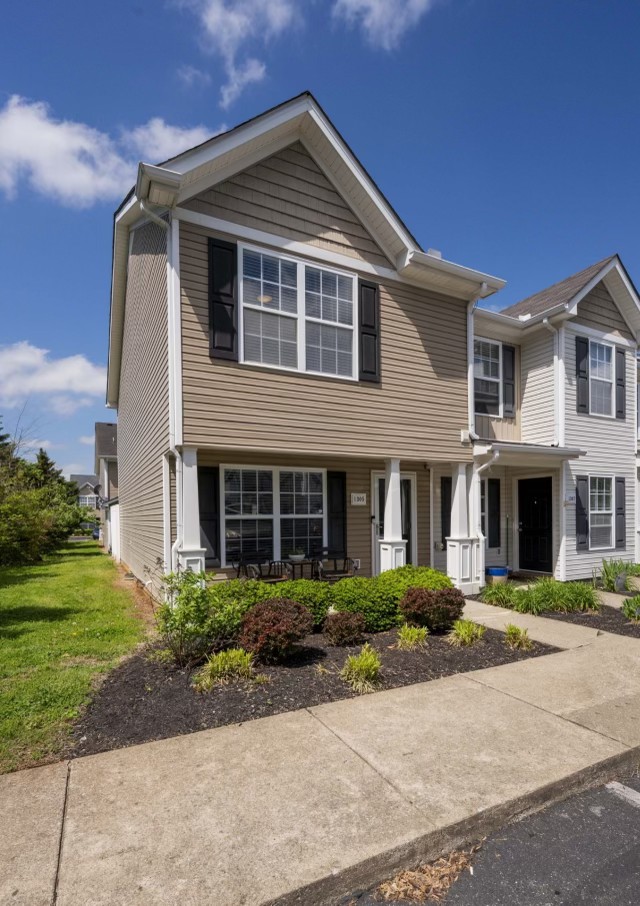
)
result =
(278, 571)
(339, 567)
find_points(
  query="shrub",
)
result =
(361, 595)
(550, 596)
(412, 637)
(612, 571)
(631, 608)
(271, 628)
(397, 582)
(362, 671)
(224, 667)
(500, 594)
(517, 638)
(314, 595)
(437, 609)
(465, 633)
(344, 628)
(580, 597)
(184, 618)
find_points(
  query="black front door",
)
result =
(536, 524)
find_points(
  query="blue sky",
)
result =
(505, 133)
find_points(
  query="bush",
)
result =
(361, 595)
(224, 667)
(631, 608)
(397, 582)
(362, 671)
(184, 620)
(344, 628)
(465, 633)
(501, 594)
(314, 595)
(271, 628)
(612, 571)
(517, 638)
(580, 597)
(437, 609)
(550, 596)
(412, 637)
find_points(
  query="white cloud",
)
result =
(86, 439)
(384, 22)
(75, 468)
(232, 25)
(74, 163)
(191, 76)
(67, 383)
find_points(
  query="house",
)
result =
(106, 466)
(555, 390)
(289, 366)
(294, 373)
(88, 491)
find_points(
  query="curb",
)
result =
(329, 890)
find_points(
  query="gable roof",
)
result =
(106, 443)
(82, 480)
(168, 185)
(560, 293)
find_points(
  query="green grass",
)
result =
(62, 623)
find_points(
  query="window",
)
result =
(487, 369)
(272, 513)
(600, 513)
(297, 316)
(88, 500)
(601, 383)
(490, 511)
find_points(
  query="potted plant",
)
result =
(298, 554)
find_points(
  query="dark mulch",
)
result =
(142, 699)
(607, 619)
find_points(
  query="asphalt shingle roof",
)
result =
(81, 480)
(106, 439)
(557, 294)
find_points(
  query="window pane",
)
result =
(345, 288)
(601, 397)
(269, 281)
(486, 360)
(301, 493)
(601, 361)
(313, 307)
(251, 266)
(600, 530)
(301, 535)
(324, 342)
(345, 312)
(312, 280)
(328, 296)
(487, 397)
(288, 273)
(270, 339)
(249, 538)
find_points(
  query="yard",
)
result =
(63, 623)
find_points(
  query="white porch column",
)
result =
(191, 553)
(392, 547)
(465, 563)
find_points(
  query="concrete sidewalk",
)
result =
(303, 807)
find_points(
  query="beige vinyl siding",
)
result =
(490, 428)
(537, 376)
(288, 194)
(358, 481)
(598, 311)
(172, 499)
(143, 412)
(112, 473)
(416, 412)
(610, 446)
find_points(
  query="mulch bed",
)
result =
(143, 700)
(608, 619)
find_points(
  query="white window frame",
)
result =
(611, 512)
(611, 346)
(300, 316)
(90, 500)
(497, 380)
(276, 515)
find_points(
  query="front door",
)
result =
(407, 498)
(535, 516)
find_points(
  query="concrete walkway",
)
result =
(305, 806)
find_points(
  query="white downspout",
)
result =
(471, 307)
(495, 456)
(556, 380)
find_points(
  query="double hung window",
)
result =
(601, 378)
(600, 513)
(487, 369)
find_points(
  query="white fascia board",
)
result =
(148, 173)
(579, 296)
(419, 259)
(532, 449)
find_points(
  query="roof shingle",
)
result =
(557, 294)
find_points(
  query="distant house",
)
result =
(106, 465)
(88, 491)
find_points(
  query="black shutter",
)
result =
(621, 515)
(582, 375)
(493, 511)
(208, 504)
(621, 404)
(369, 343)
(223, 303)
(582, 513)
(508, 384)
(446, 483)
(337, 513)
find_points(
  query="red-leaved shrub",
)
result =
(344, 628)
(437, 609)
(271, 628)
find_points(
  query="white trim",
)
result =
(562, 548)
(174, 333)
(611, 512)
(579, 296)
(600, 336)
(300, 316)
(611, 381)
(432, 540)
(166, 511)
(498, 380)
(562, 386)
(413, 478)
(276, 515)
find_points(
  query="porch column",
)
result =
(464, 557)
(392, 547)
(191, 553)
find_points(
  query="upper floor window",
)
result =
(601, 378)
(297, 316)
(88, 500)
(487, 368)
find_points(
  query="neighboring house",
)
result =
(555, 414)
(106, 466)
(293, 372)
(289, 366)
(88, 491)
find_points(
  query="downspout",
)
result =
(495, 456)
(556, 380)
(471, 415)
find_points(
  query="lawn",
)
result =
(62, 623)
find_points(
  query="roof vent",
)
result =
(435, 253)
